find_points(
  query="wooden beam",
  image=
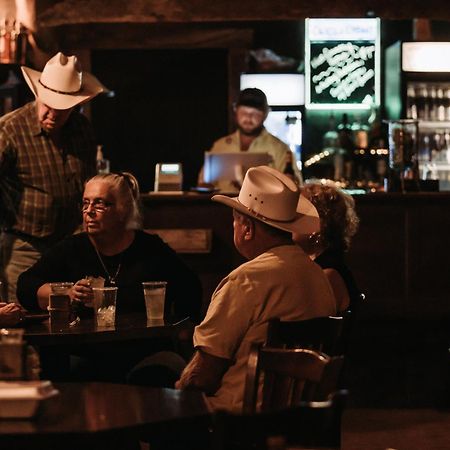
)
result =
(125, 36)
(57, 12)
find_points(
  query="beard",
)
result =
(253, 132)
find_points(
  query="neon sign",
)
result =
(342, 73)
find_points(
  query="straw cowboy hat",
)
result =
(273, 198)
(62, 84)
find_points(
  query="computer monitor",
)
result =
(231, 166)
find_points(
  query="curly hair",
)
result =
(338, 219)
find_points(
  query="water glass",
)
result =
(155, 296)
(105, 306)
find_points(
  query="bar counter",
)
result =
(400, 255)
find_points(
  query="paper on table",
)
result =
(26, 389)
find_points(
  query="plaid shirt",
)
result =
(41, 185)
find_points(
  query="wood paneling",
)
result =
(58, 13)
(400, 256)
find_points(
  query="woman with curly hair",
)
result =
(339, 223)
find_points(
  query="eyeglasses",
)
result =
(98, 205)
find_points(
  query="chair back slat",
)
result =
(324, 334)
(289, 377)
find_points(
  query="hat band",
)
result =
(264, 218)
(58, 92)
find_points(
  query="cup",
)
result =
(11, 335)
(59, 305)
(155, 296)
(11, 354)
(105, 305)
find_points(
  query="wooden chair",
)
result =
(324, 334)
(289, 377)
(310, 424)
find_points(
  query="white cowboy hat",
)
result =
(273, 198)
(62, 84)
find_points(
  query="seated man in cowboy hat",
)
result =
(47, 151)
(279, 280)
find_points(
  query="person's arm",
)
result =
(339, 289)
(204, 373)
(10, 314)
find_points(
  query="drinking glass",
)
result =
(155, 296)
(105, 305)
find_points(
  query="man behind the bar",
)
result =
(251, 110)
(47, 151)
(279, 280)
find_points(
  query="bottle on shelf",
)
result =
(361, 152)
(423, 107)
(331, 144)
(346, 143)
(432, 103)
(411, 106)
(447, 104)
(440, 109)
(102, 163)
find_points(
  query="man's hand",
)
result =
(204, 372)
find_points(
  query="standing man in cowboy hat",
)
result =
(47, 151)
(279, 280)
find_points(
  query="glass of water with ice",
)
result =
(105, 305)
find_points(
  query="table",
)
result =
(128, 326)
(380, 429)
(55, 347)
(104, 416)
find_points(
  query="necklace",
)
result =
(111, 279)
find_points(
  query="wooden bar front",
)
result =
(399, 256)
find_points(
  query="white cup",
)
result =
(155, 296)
(105, 306)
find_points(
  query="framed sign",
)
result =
(342, 63)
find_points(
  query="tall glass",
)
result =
(105, 306)
(155, 296)
(59, 305)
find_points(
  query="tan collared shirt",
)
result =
(282, 282)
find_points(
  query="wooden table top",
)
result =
(103, 413)
(400, 429)
(128, 326)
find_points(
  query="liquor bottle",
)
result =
(432, 102)
(447, 104)
(411, 106)
(102, 163)
(423, 107)
(361, 156)
(331, 145)
(440, 104)
(289, 170)
(346, 143)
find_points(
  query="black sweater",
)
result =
(148, 258)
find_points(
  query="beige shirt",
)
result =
(282, 282)
(264, 143)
